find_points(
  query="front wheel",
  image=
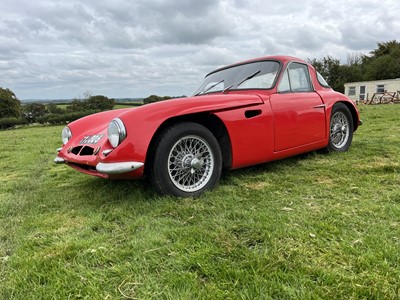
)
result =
(341, 129)
(187, 160)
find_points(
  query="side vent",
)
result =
(252, 113)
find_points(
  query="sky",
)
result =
(51, 49)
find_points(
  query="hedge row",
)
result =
(49, 118)
(129, 103)
(65, 118)
(12, 122)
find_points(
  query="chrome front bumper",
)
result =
(111, 168)
(119, 167)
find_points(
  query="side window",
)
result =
(322, 81)
(284, 85)
(295, 79)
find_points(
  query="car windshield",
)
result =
(256, 75)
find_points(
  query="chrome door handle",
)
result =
(320, 106)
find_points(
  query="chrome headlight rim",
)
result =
(116, 132)
(66, 135)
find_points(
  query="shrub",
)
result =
(33, 111)
(98, 102)
(65, 118)
(10, 107)
(155, 98)
(11, 122)
(52, 108)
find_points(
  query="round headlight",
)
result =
(116, 132)
(66, 135)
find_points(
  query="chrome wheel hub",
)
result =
(196, 163)
(190, 163)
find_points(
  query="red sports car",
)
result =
(241, 115)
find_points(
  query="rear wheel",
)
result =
(341, 129)
(187, 160)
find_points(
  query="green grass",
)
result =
(316, 226)
(122, 105)
(63, 105)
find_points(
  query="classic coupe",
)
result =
(243, 114)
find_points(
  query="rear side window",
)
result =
(295, 79)
(322, 81)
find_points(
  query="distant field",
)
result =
(127, 105)
(316, 226)
(63, 106)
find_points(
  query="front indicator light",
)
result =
(107, 152)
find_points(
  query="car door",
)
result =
(299, 112)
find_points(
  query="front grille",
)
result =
(86, 151)
(82, 150)
(76, 150)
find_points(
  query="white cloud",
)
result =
(60, 49)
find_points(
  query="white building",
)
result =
(365, 90)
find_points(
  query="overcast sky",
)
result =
(51, 49)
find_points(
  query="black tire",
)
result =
(341, 129)
(187, 161)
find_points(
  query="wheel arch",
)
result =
(353, 112)
(208, 120)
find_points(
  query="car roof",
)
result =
(282, 58)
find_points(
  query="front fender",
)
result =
(143, 122)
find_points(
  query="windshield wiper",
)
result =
(214, 85)
(241, 82)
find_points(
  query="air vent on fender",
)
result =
(252, 113)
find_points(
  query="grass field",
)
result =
(126, 105)
(316, 226)
(63, 105)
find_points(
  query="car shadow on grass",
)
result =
(268, 167)
(138, 191)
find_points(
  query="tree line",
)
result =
(381, 63)
(155, 98)
(13, 113)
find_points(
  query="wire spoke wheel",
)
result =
(339, 133)
(187, 160)
(341, 129)
(190, 163)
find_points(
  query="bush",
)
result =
(98, 102)
(10, 107)
(33, 111)
(155, 98)
(65, 118)
(52, 108)
(11, 122)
